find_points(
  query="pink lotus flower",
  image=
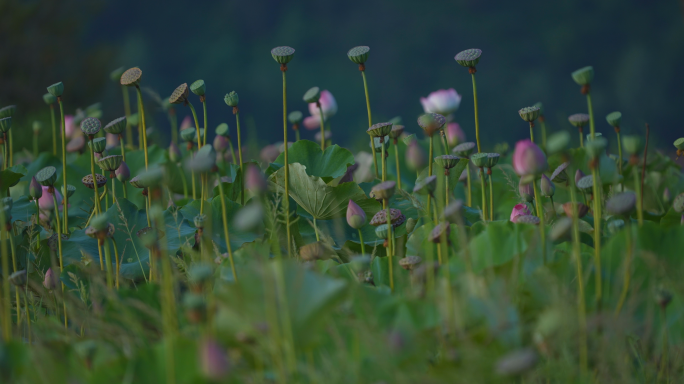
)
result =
(528, 159)
(186, 123)
(519, 210)
(455, 134)
(69, 127)
(47, 205)
(443, 101)
(356, 217)
(329, 107)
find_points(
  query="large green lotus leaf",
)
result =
(500, 242)
(320, 200)
(9, 178)
(23, 209)
(214, 224)
(328, 164)
(232, 188)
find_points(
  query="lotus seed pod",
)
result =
(5, 124)
(231, 99)
(579, 120)
(199, 220)
(517, 362)
(198, 87)
(133, 119)
(70, 190)
(255, 180)
(411, 225)
(382, 231)
(557, 142)
(559, 175)
(464, 149)
(529, 114)
(91, 126)
(8, 111)
(586, 184)
(526, 191)
(37, 127)
(222, 130)
(431, 123)
(316, 251)
(409, 139)
(469, 58)
(110, 163)
(295, 117)
(56, 89)
(663, 297)
(19, 278)
(596, 135)
(116, 126)
(180, 94)
(621, 204)
(356, 217)
(396, 218)
(614, 119)
(116, 74)
(632, 144)
(547, 187)
(479, 159)
(136, 183)
(442, 229)
(87, 180)
(678, 203)
(98, 145)
(99, 222)
(415, 157)
(396, 132)
(426, 186)
(679, 144)
(220, 143)
(410, 262)
(583, 76)
(47, 176)
(527, 219)
(384, 190)
(453, 212)
(313, 95)
(131, 77)
(123, 174)
(282, 55)
(189, 135)
(447, 161)
(35, 189)
(380, 130)
(49, 99)
(358, 55)
(595, 148)
(492, 160)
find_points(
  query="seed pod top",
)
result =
(312, 95)
(87, 180)
(231, 99)
(397, 130)
(479, 159)
(633, 144)
(453, 212)
(583, 76)
(396, 218)
(47, 176)
(431, 123)
(91, 126)
(98, 145)
(70, 190)
(579, 120)
(527, 219)
(132, 77)
(49, 99)
(282, 55)
(116, 74)
(426, 186)
(614, 119)
(492, 159)
(5, 124)
(410, 262)
(222, 130)
(679, 143)
(110, 163)
(447, 161)
(621, 204)
(189, 135)
(469, 58)
(180, 94)
(198, 87)
(8, 111)
(596, 147)
(56, 89)
(384, 190)
(295, 117)
(559, 175)
(379, 129)
(359, 54)
(529, 114)
(464, 149)
(586, 183)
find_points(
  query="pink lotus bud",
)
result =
(443, 101)
(213, 360)
(255, 180)
(69, 126)
(547, 187)
(528, 159)
(329, 107)
(51, 280)
(99, 156)
(220, 143)
(526, 191)
(186, 123)
(312, 122)
(112, 141)
(519, 210)
(123, 173)
(356, 217)
(76, 144)
(35, 189)
(455, 134)
(47, 205)
(174, 153)
(415, 157)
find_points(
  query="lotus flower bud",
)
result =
(51, 280)
(547, 187)
(220, 143)
(123, 173)
(455, 134)
(415, 156)
(526, 191)
(528, 159)
(255, 180)
(174, 153)
(35, 189)
(45, 202)
(213, 360)
(37, 126)
(519, 210)
(356, 217)
(232, 99)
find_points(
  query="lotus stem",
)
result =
(491, 195)
(236, 111)
(590, 108)
(202, 175)
(396, 158)
(232, 154)
(444, 139)
(663, 357)
(430, 157)
(446, 187)
(617, 132)
(225, 230)
(597, 235)
(363, 246)
(297, 134)
(370, 121)
(192, 179)
(108, 261)
(141, 107)
(643, 164)
(92, 171)
(581, 136)
(320, 110)
(542, 220)
(483, 187)
(532, 131)
(117, 262)
(435, 219)
(127, 112)
(54, 130)
(11, 149)
(581, 307)
(470, 190)
(183, 180)
(315, 229)
(28, 316)
(628, 267)
(204, 109)
(64, 167)
(477, 121)
(286, 198)
(383, 159)
(61, 258)
(14, 267)
(5, 162)
(553, 206)
(390, 238)
(637, 189)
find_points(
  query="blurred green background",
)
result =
(529, 49)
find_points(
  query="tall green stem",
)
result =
(224, 218)
(383, 159)
(194, 116)
(54, 130)
(192, 179)
(204, 109)
(239, 144)
(320, 110)
(6, 308)
(363, 246)
(483, 187)
(590, 108)
(628, 267)
(396, 158)
(470, 187)
(542, 121)
(390, 238)
(123, 155)
(542, 220)
(92, 171)
(141, 108)
(108, 261)
(637, 189)
(14, 267)
(232, 153)
(11, 149)
(61, 258)
(491, 195)
(477, 120)
(116, 262)
(532, 131)
(370, 122)
(286, 198)
(64, 166)
(581, 135)
(597, 235)
(620, 161)
(429, 172)
(581, 306)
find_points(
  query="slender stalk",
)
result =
(663, 357)
(581, 135)
(99, 251)
(64, 166)
(92, 171)
(491, 195)
(542, 220)
(444, 140)
(363, 246)
(483, 187)
(141, 107)
(14, 267)
(297, 134)
(204, 108)
(590, 108)
(225, 230)
(628, 267)
(396, 158)
(192, 180)
(127, 111)
(383, 159)
(446, 188)
(183, 180)
(202, 175)
(637, 189)
(581, 307)
(470, 188)
(28, 317)
(54, 130)
(316, 229)
(116, 262)
(617, 132)
(108, 262)
(597, 235)
(5, 162)
(320, 110)
(236, 111)
(61, 258)
(232, 153)
(429, 172)
(643, 164)
(11, 148)
(542, 121)
(532, 131)
(477, 121)
(390, 238)
(370, 120)
(286, 198)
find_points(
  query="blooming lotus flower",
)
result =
(112, 141)
(329, 107)
(356, 217)
(186, 123)
(443, 101)
(47, 205)
(455, 134)
(528, 159)
(519, 210)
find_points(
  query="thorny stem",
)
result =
(370, 122)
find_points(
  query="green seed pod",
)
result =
(409, 139)
(359, 54)
(579, 120)
(529, 114)
(199, 220)
(678, 203)
(203, 161)
(585, 184)
(87, 180)
(441, 230)
(19, 278)
(91, 126)
(282, 55)
(621, 204)
(8, 111)
(198, 88)
(37, 126)
(312, 95)
(379, 129)
(180, 94)
(410, 262)
(492, 159)
(548, 189)
(189, 135)
(479, 159)
(464, 149)
(149, 236)
(384, 190)
(98, 145)
(447, 161)
(541, 108)
(133, 119)
(382, 231)
(596, 147)
(431, 123)
(614, 119)
(469, 58)
(222, 130)
(559, 175)
(679, 144)
(116, 74)
(557, 142)
(396, 218)
(5, 124)
(231, 99)
(99, 222)
(131, 77)
(49, 99)
(70, 190)
(397, 131)
(632, 144)
(136, 183)
(56, 89)
(295, 117)
(583, 76)
(426, 186)
(116, 126)
(47, 176)
(110, 163)
(150, 178)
